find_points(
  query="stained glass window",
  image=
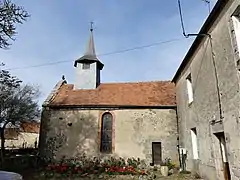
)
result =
(106, 133)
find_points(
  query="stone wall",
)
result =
(206, 80)
(72, 132)
(27, 138)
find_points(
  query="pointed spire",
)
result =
(90, 54)
(90, 50)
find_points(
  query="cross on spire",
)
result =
(90, 50)
(91, 26)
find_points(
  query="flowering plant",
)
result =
(168, 162)
(83, 166)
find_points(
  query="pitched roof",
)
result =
(30, 127)
(158, 93)
(11, 133)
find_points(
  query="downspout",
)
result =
(213, 59)
(217, 83)
(178, 140)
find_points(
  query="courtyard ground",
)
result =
(36, 176)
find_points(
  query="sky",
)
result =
(59, 30)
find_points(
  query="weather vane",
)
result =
(91, 26)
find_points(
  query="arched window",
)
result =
(106, 133)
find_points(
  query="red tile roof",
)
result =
(157, 93)
(25, 127)
(11, 133)
(30, 127)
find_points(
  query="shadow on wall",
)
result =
(156, 126)
(68, 137)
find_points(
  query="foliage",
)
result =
(18, 102)
(168, 162)
(10, 15)
(83, 166)
(196, 175)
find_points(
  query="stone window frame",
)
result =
(100, 131)
(236, 49)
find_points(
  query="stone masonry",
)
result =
(213, 69)
(71, 132)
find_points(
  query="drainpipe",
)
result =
(178, 141)
(217, 83)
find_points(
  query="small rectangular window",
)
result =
(194, 143)
(236, 25)
(86, 66)
(189, 88)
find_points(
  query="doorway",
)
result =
(156, 153)
(223, 149)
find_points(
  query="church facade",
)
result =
(139, 119)
(136, 119)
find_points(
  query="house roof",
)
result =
(219, 6)
(30, 127)
(158, 93)
(11, 133)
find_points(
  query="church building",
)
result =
(133, 119)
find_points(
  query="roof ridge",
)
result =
(135, 82)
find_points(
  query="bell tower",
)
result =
(88, 67)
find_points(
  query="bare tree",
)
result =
(18, 103)
(10, 15)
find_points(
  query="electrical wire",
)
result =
(105, 54)
(181, 18)
(209, 5)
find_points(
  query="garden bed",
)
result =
(85, 168)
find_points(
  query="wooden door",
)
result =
(156, 153)
(223, 149)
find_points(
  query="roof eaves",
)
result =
(54, 92)
(59, 106)
(204, 30)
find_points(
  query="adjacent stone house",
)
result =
(207, 93)
(135, 119)
(23, 136)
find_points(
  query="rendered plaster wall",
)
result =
(137, 129)
(133, 133)
(87, 78)
(205, 106)
(27, 138)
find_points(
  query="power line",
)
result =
(186, 35)
(105, 54)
